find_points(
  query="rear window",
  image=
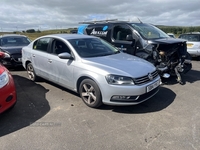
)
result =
(14, 41)
(191, 37)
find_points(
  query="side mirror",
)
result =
(65, 55)
(2, 55)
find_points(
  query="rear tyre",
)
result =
(31, 72)
(90, 93)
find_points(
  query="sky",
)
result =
(20, 15)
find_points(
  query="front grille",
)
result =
(145, 79)
(15, 57)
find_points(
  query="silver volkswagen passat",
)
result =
(90, 66)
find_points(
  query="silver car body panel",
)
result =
(193, 43)
(193, 48)
(67, 72)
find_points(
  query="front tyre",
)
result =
(90, 93)
(31, 72)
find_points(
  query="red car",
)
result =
(8, 96)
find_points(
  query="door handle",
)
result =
(49, 60)
(33, 55)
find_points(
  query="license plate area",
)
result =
(153, 86)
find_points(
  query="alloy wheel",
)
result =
(30, 72)
(88, 94)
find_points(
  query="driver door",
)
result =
(61, 69)
(120, 32)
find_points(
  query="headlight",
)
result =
(4, 78)
(7, 55)
(119, 80)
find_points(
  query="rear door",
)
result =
(40, 57)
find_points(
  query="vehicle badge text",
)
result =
(150, 76)
(99, 33)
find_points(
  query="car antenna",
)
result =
(139, 20)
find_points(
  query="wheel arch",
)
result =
(79, 82)
(26, 63)
(80, 79)
(96, 92)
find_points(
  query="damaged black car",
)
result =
(11, 45)
(169, 55)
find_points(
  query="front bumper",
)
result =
(8, 95)
(12, 61)
(128, 95)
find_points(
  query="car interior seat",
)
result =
(119, 35)
(61, 47)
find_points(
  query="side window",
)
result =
(41, 44)
(183, 36)
(120, 32)
(59, 46)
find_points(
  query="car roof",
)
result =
(191, 33)
(111, 21)
(70, 36)
(116, 22)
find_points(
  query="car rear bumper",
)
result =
(193, 52)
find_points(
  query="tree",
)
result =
(30, 31)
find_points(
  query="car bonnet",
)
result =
(167, 41)
(120, 64)
(12, 50)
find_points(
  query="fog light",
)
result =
(120, 97)
(9, 98)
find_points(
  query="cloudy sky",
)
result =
(53, 14)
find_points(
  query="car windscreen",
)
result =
(92, 47)
(14, 41)
(190, 37)
(148, 31)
